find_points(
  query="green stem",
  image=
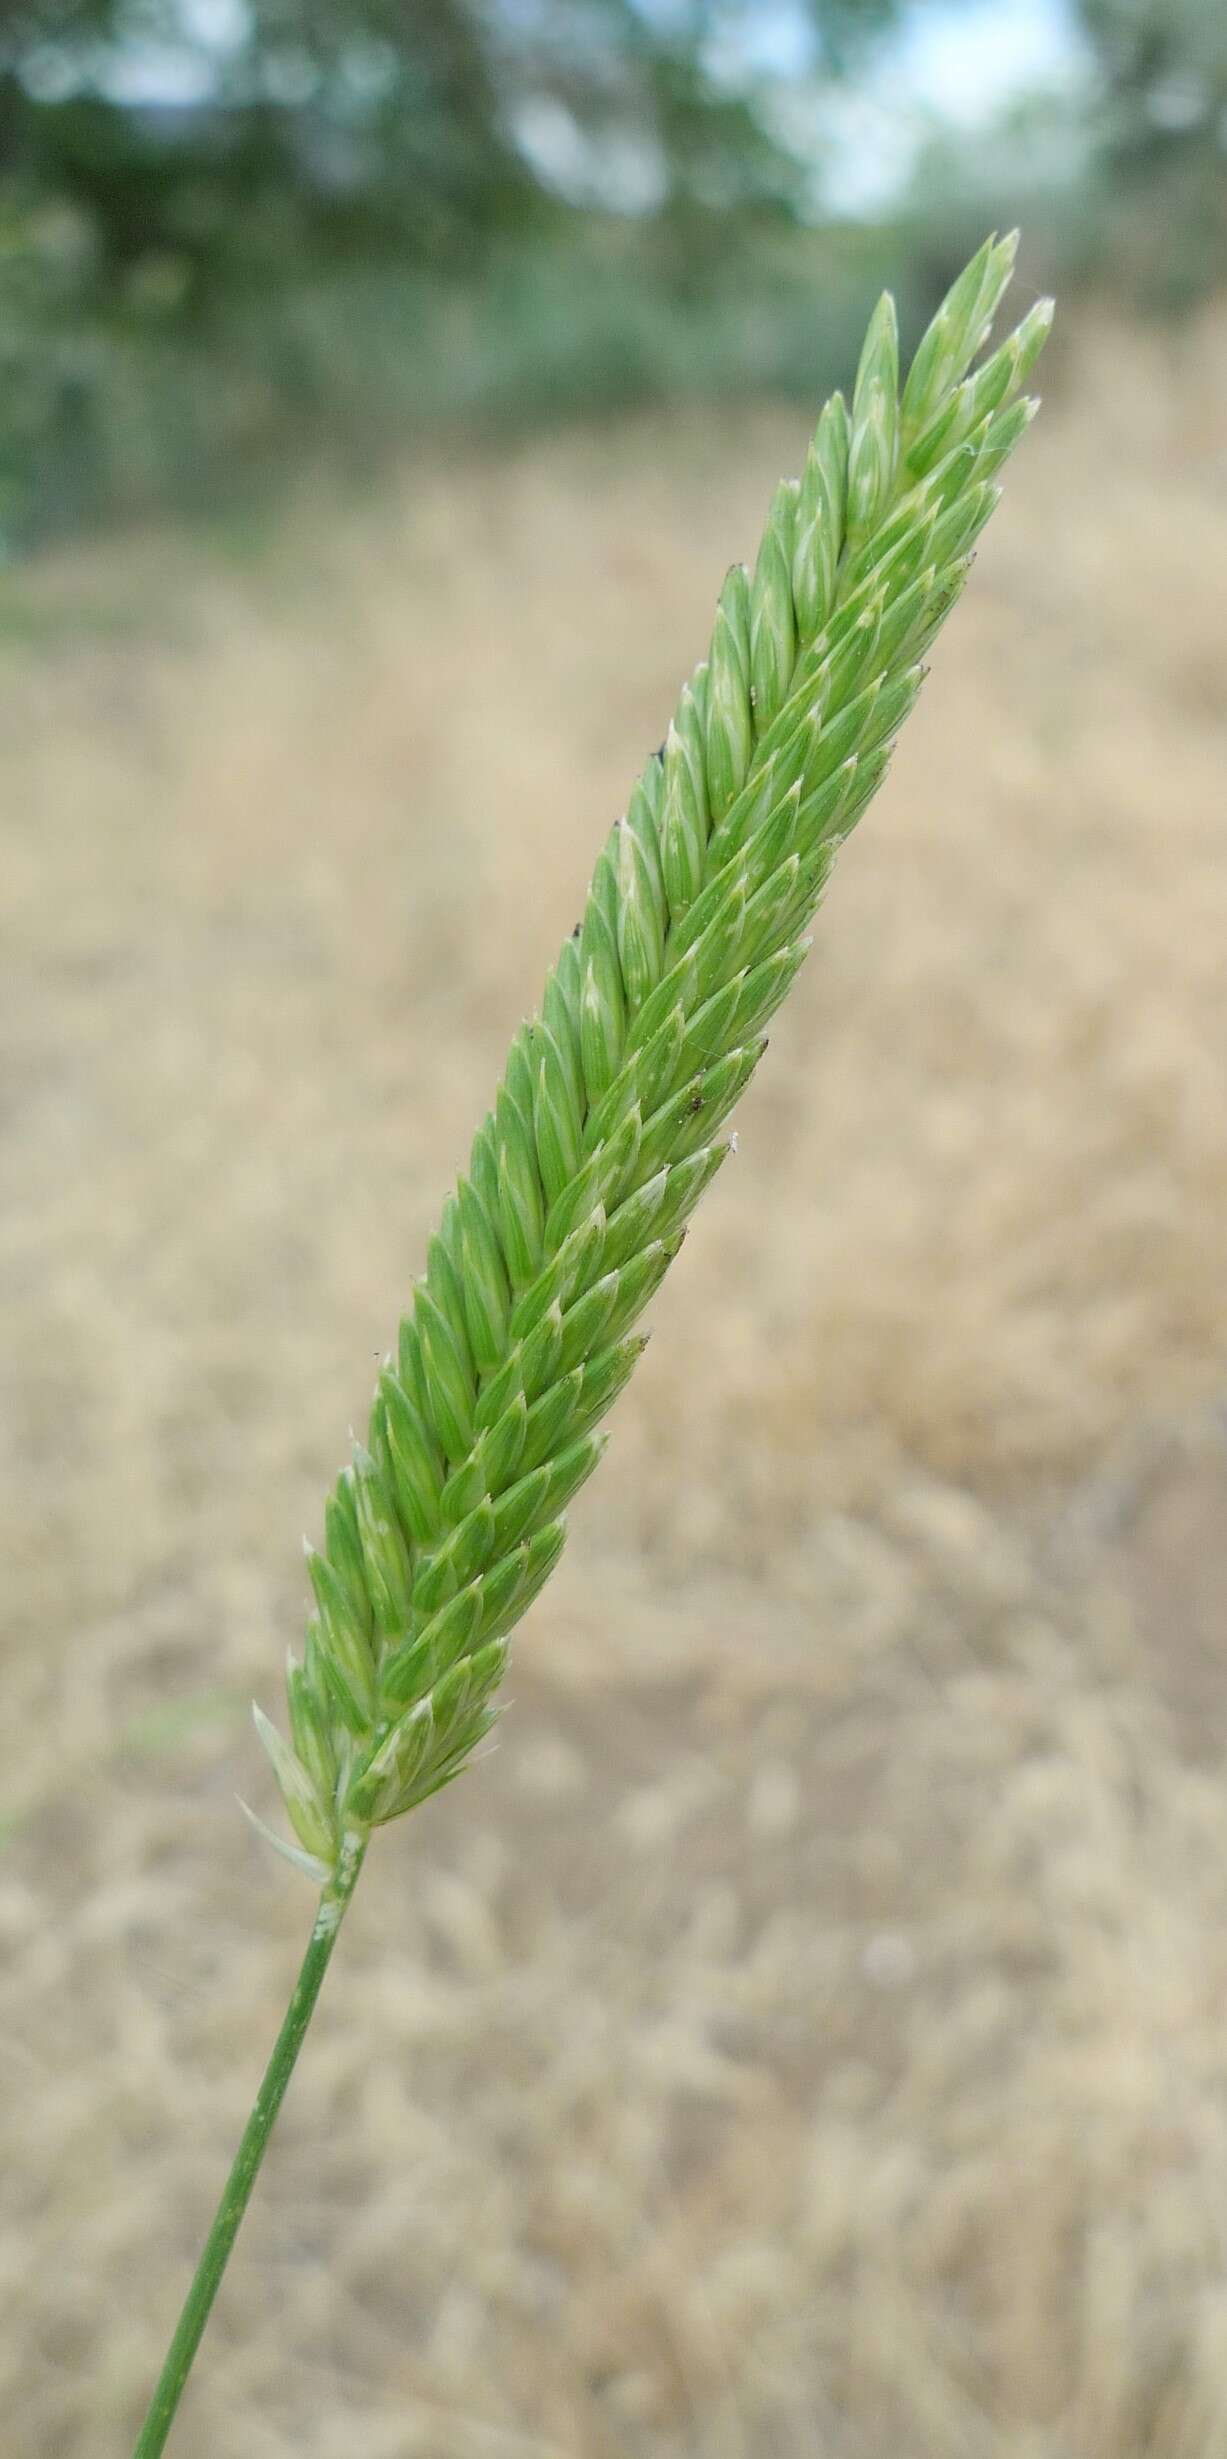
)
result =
(199, 2300)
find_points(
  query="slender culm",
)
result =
(608, 1123)
(607, 1126)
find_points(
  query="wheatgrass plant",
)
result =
(607, 1126)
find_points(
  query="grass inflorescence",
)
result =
(608, 1124)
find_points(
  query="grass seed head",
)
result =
(603, 1134)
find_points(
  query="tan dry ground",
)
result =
(808, 2033)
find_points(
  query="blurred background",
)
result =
(807, 2033)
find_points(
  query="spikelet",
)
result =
(606, 1128)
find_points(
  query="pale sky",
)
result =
(957, 64)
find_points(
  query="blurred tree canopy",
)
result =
(221, 216)
(1163, 136)
(308, 127)
(225, 222)
(235, 131)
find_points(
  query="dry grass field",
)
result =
(806, 2036)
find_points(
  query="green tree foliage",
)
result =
(228, 226)
(270, 128)
(316, 129)
(223, 221)
(1163, 137)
